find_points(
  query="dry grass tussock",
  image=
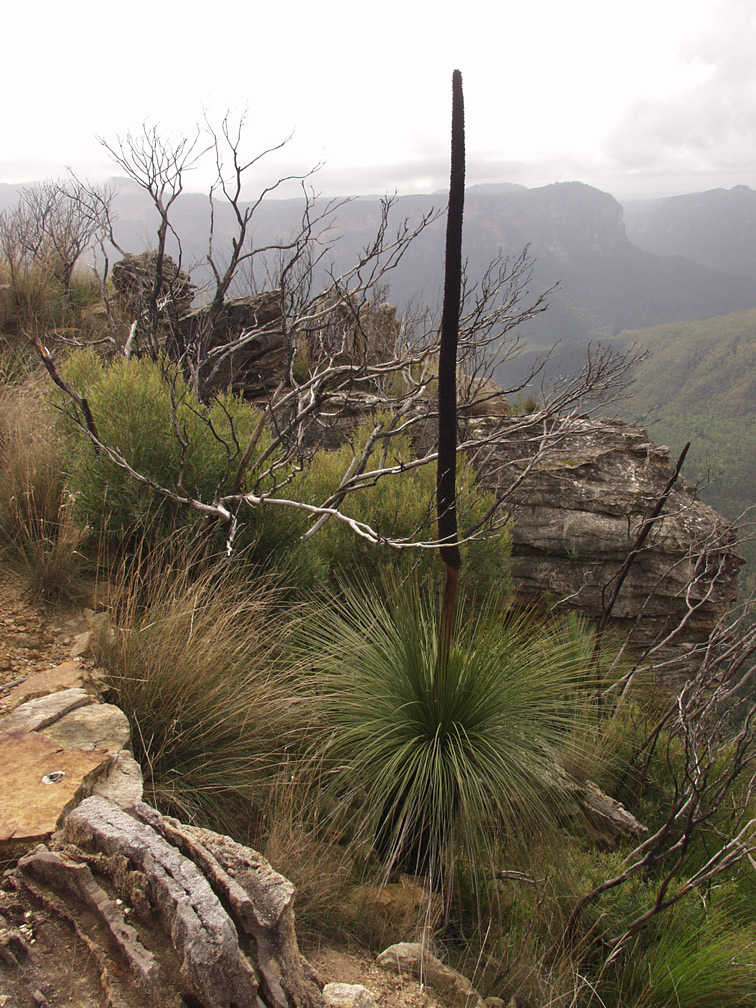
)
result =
(39, 533)
(195, 655)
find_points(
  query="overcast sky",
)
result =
(653, 98)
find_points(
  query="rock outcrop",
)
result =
(240, 344)
(586, 488)
(137, 288)
(111, 904)
(252, 325)
(122, 907)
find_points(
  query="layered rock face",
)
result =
(586, 489)
(152, 910)
(253, 326)
(134, 281)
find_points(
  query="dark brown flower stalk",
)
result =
(447, 377)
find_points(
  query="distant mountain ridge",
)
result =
(699, 385)
(579, 237)
(716, 228)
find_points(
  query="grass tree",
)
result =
(446, 480)
(447, 726)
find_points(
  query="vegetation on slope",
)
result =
(699, 385)
(331, 744)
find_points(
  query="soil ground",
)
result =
(34, 637)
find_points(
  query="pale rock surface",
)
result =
(122, 781)
(39, 783)
(68, 675)
(40, 713)
(96, 726)
(343, 995)
(413, 959)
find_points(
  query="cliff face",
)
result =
(568, 221)
(577, 514)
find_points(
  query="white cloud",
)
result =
(705, 128)
(553, 90)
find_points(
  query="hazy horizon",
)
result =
(653, 101)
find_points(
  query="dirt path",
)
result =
(34, 637)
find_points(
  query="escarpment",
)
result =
(579, 492)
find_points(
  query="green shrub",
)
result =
(696, 957)
(133, 405)
(401, 506)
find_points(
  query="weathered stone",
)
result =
(134, 279)
(260, 900)
(122, 781)
(82, 644)
(38, 714)
(72, 878)
(576, 515)
(154, 910)
(610, 821)
(253, 325)
(96, 726)
(413, 959)
(39, 783)
(341, 327)
(69, 675)
(53, 750)
(344, 995)
(201, 931)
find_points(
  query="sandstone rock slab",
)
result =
(38, 714)
(96, 726)
(39, 783)
(68, 675)
(414, 959)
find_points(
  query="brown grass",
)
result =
(195, 656)
(38, 531)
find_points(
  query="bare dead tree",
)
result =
(339, 352)
(51, 228)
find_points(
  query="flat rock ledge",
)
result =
(56, 749)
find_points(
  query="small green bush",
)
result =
(133, 402)
(696, 957)
(401, 506)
